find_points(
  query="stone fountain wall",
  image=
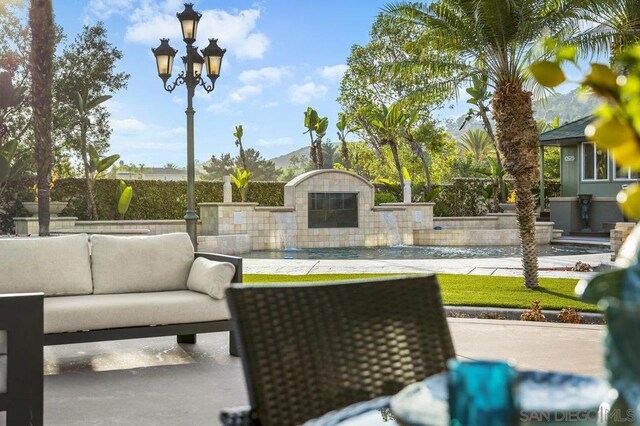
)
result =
(264, 227)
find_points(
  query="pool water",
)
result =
(421, 252)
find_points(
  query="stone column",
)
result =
(226, 192)
(406, 191)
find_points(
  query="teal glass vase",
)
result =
(482, 393)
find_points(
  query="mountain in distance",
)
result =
(284, 160)
(569, 107)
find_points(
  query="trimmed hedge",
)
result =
(152, 199)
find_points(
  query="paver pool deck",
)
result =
(549, 266)
(158, 382)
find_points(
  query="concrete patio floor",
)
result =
(158, 382)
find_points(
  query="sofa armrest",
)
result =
(234, 260)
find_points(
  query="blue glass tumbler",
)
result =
(482, 393)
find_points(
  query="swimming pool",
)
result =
(421, 252)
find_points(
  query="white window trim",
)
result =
(619, 179)
(595, 157)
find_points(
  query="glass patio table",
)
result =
(545, 398)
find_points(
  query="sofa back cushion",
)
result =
(140, 264)
(56, 266)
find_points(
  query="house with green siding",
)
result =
(586, 170)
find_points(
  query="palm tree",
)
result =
(494, 38)
(41, 68)
(617, 26)
(477, 143)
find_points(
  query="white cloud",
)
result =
(104, 9)
(269, 75)
(333, 73)
(237, 32)
(244, 92)
(268, 143)
(127, 125)
(172, 132)
(303, 93)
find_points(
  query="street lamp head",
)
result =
(198, 62)
(189, 19)
(164, 58)
(213, 59)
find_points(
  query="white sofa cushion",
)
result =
(100, 311)
(139, 264)
(210, 277)
(55, 266)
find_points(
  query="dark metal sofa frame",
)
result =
(186, 333)
(21, 317)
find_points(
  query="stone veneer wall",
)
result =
(68, 225)
(287, 227)
(619, 235)
(501, 234)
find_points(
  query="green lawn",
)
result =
(470, 290)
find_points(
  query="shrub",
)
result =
(533, 314)
(582, 267)
(154, 199)
(570, 316)
(385, 197)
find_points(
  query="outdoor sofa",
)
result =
(113, 287)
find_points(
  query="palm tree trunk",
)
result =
(41, 67)
(396, 161)
(417, 148)
(518, 139)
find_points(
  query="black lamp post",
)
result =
(191, 77)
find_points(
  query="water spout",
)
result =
(393, 231)
(287, 230)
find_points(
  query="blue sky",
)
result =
(282, 56)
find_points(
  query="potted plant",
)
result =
(55, 207)
(510, 205)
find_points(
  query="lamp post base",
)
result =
(191, 219)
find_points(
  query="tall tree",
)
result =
(88, 153)
(496, 39)
(88, 64)
(41, 66)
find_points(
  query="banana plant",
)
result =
(318, 126)
(91, 162)
(243, 156)
(124, 194)
(241, 181)
(343, 131)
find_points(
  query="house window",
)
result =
(333, 210)
(625, 173)
(595, 163)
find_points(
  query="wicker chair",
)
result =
(311, 348)
(21, 379)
